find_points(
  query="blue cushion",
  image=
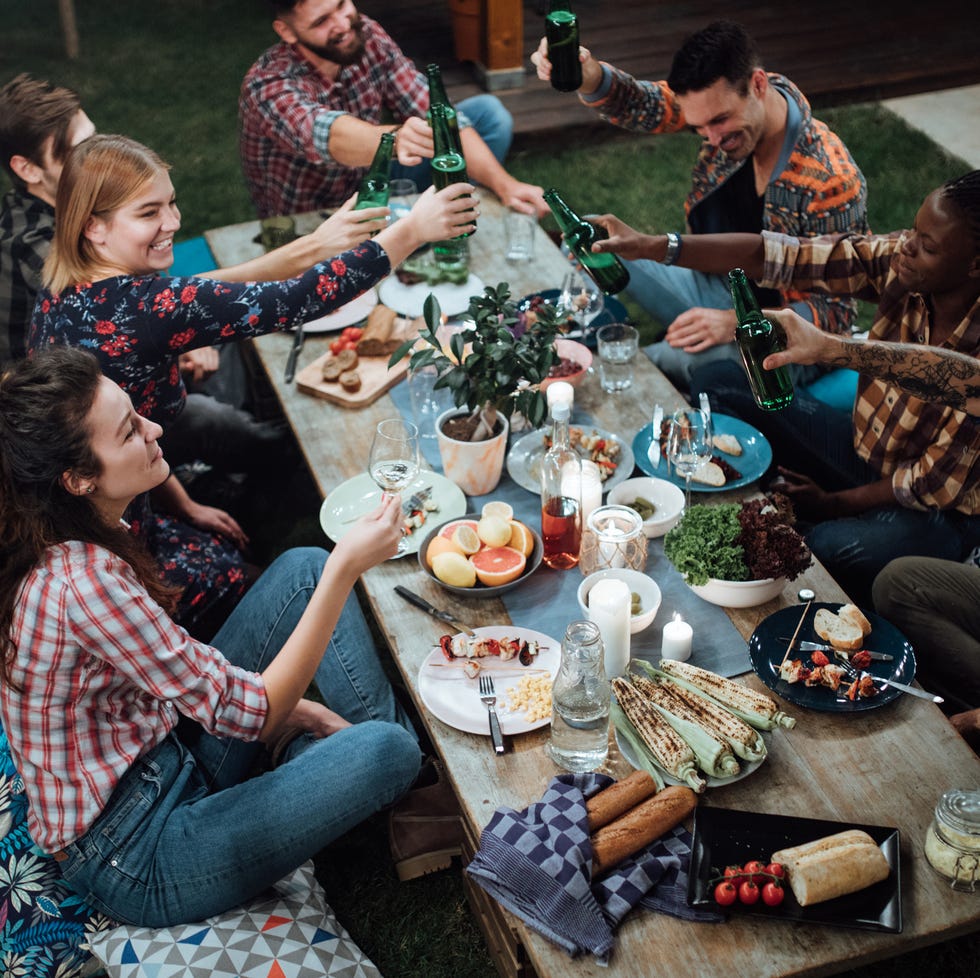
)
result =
(191, 257)
(837, 388)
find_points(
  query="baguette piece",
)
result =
(841, 634)
(640, 826)
(728, 444)
(607, 805)
(710, 473)
(833, 866)
(853, 614)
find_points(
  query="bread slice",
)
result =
(728, 444)
(853, 614)
(710, 473)
(841, 634)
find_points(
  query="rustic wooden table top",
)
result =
(882, 767)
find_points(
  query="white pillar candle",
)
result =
(609, 608)
(586, 487)
(677, 639)
(560, 392)
(610, 552)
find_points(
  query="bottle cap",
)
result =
(560, 391)
(561, 410)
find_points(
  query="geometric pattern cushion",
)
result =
(289, 933)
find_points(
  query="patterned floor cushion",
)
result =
(291, 933)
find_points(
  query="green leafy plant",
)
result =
(495, 366)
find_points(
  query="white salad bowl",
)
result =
(739, 594)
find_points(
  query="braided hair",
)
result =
(964, 191)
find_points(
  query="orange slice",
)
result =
(521, 538)
(450, 528)
(440, 545)
(498, 565)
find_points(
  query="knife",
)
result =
(921, 693)
(817, 647)
(290, 370)
(444, 616)
(706, 406)
(653, 452)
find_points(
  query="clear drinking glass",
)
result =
(401, 199)
(689, 444)
(394, 458)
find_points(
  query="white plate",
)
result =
(355, 310)
(357, 496)
(456, 701)
(747, 767)
(407, 300)
(524, 459)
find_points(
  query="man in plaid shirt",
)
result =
(312, 106)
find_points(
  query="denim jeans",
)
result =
(816, 440)
(489, 118)
(190, 832)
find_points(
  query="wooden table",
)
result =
(883, 767)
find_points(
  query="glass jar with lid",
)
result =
(953, 839)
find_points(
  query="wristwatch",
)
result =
(673, 248)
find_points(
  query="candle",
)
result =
(610, 537)
(560, 392)
(677, 639)
(609, 608)
(587, 487)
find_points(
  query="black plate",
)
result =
(613, 311)
(766, 652)
(724, 837)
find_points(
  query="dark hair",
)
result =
(44, 407)
(31, 112)
(280, 7)
(721, 50)
(964, 191)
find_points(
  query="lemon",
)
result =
(465, 537)
(494, 531)
(455, 569)
(497, 507)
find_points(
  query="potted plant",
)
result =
(492, 369)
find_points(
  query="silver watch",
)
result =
(673, 248)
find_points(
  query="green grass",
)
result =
(168, 74)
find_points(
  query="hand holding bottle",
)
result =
(591, 68)
(436, 216)
(414, 142)
(626, 242)
(343, 229)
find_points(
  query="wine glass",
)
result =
(689, 444)
(580, 298)
(394, 459)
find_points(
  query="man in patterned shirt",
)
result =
(765, 164)
(39, 124)
(312, 110)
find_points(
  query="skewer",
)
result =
(805, 595)
(523, 671)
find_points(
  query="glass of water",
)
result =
(617, 344)
(401, 199)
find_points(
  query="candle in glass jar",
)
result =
(677, 637)
(609, 608)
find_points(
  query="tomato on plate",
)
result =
(748, 893)
(776, 869)
(726, 893)
(773, 893)
(755, 871)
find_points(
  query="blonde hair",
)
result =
(101, 174)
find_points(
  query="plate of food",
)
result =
(347, 315)
(449, 678)
(430, 497)
(613, 311)
(820, 857)
(807, 680)
(408, 299)
(742, 455)
(613, 456)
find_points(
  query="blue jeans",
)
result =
(816, 440)
(489, 118)
(190, 832)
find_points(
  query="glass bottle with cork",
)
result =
(561, 494)
(561, 31)
(756, 338)
(608, 272)
(376, 183)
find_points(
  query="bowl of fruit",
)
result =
(481, 554)
(572, 363)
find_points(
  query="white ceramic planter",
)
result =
(475, 466)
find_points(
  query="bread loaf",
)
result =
(853, 614)
(832, 866)
(607, 805)
(839, 633)
(338, 364)
(710, 473)
(640, 826)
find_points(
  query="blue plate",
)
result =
(766, 650)
(756, 454)
(613, 311)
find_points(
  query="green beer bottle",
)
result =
(756, 338)
(374, 188)
(606, 269)
(561, 31)
(438, 96)
(448, 162)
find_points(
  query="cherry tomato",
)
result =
(726, 893)
(773, 893)
(819, 659)
(336, 346)
(748, 893)
(755, 871)
(734, 873)
(776, 869)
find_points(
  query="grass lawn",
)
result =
(168, 74)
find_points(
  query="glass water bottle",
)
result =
(376, 184)
(561, 495)
(561, 31)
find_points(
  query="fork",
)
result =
(852, 673)
(489, 697)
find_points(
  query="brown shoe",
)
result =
(425, 830)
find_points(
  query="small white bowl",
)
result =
(665, 496)
(579, 354)
(739, 594)
(638, 582)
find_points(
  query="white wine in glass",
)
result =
(394, 459)
(689, 444)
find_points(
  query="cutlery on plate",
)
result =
(416, 501)
(853, 674)
(412, 598)
(817, 647)
(705, 405)
(653, 452)
(294, 350)
(489, 697)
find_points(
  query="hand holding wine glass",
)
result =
(394, 459)
(689, 444)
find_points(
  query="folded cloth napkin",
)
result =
(538, 864)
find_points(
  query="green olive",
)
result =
(636, 604)
(644, 507)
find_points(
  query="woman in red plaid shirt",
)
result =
(137, 744)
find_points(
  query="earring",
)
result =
(90, 490)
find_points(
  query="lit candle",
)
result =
(560, 392)
(610, 536)
(677, 639)
(609, 608)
